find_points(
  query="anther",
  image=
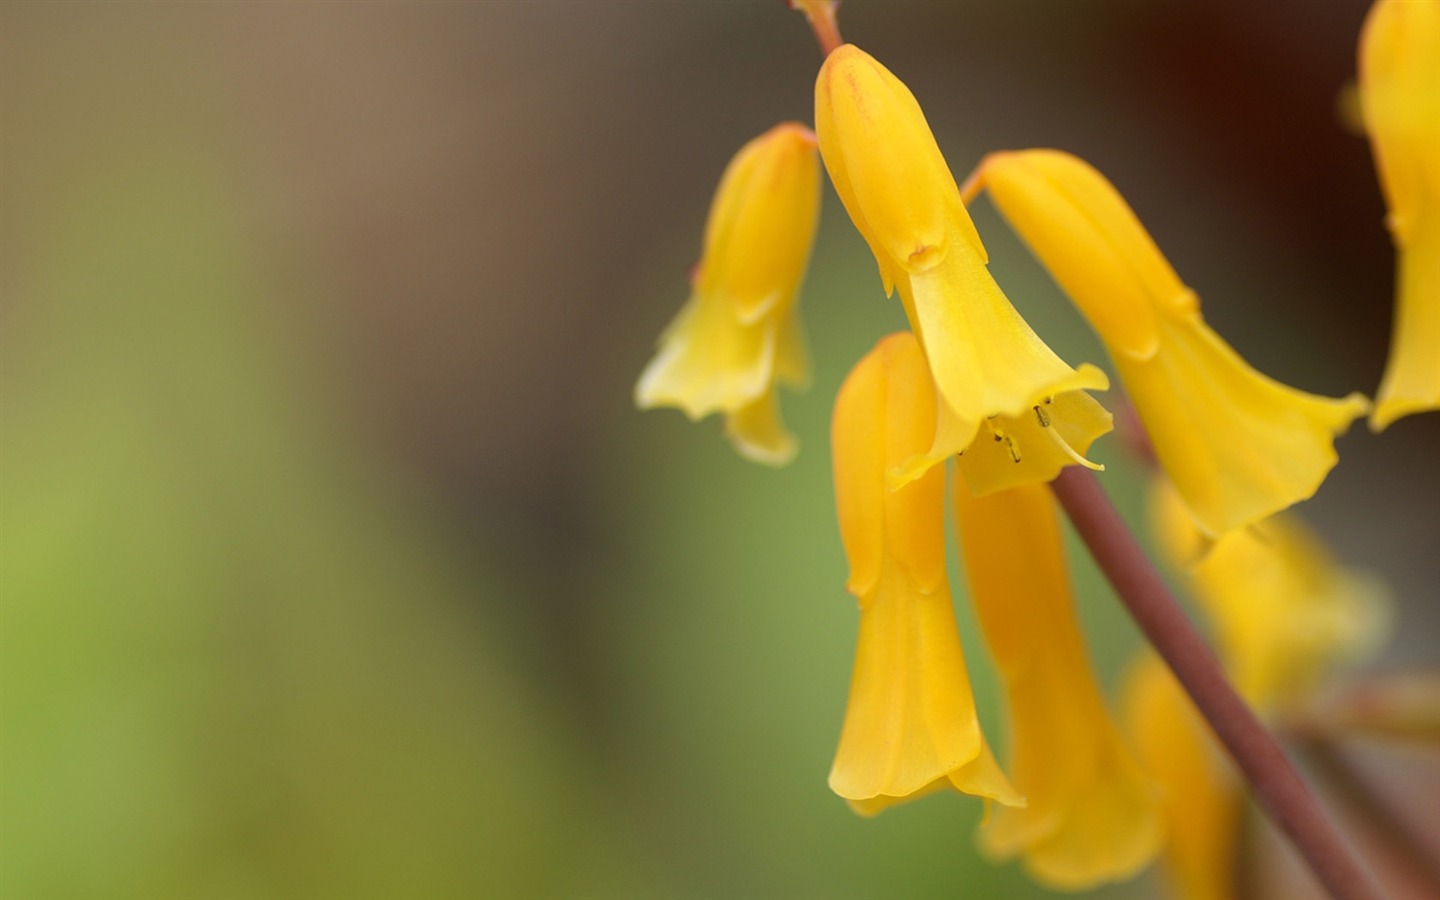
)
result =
(1014, 450)
(1042, 416)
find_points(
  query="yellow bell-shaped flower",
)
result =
(1400, 105)
(1201, 797)
(740, 332)
(910, 726)
(1239, 446)
(1091, 814)
(899, 192)
(1283, 610)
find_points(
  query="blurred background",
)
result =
(337, 561)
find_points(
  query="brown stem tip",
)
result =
(821, 15)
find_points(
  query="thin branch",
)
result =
(1281, 793)
(821, 16)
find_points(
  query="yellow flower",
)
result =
(901, 196)
(1091, 814)
(1284, 612)
(910, 726)
(1238, 445)
(1400, 104)
(1201, 797)
(740, 333)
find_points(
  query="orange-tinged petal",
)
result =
(885, 409)
(1238, 445)
(911, 719)
(1091, 816)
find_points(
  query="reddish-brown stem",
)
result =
(1276, 785)
(821, 16)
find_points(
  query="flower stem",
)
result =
(821, 16)
(1281, 793)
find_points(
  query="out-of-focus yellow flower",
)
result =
(1238, 445)
(1201, 797)
(1284, 611)
(1284, 614)
(1400, 104)
(740, 332)
(1091, 815)
(910, 726)
(985, 359)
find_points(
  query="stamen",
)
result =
(1070, 451)
(1042, 416)
(1013, 448)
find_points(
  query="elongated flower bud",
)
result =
(901, 196)
(1239, 446)
(1400, 102)
(740, 333)
(1091, 815)
(910, 725)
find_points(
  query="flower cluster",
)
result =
(972, 385)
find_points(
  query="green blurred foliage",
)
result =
(235, 663)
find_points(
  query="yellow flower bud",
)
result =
(910, 725)
(889, 173)
(1400, 104)
(885, 164)
(1239, 446)
(1091, 814)
(740, 333)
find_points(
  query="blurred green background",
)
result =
(336, 559)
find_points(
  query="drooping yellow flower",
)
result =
(1400, 105)
(910, 725)
(903, 199)
(1283, 610)
(1201, 797)
(1091, 815)
(740, 334)
(1239, 446)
